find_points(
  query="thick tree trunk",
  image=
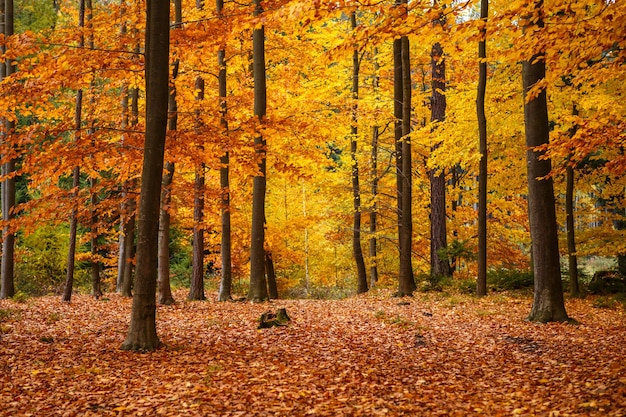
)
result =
(406, 281)
(439, 266)
(225, 249)
(548, 303)
(357, 250)
(481, 282)
(7, 284)
(258, 284)
(142, 331)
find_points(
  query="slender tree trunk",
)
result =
(548, 303)
(142, 331)
(373, 241)
(481, 282)
(129, 249)
(196, 290)
(357, 250)
(96, 288)
(439, 266)
(569, 214)
(7, 285)
(258, 284)
(225, 249)
(121, 242)
(163, 279)
(271, 276)
(407, 281)
(78, 121)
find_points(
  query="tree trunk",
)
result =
(163, 280)
(481, 282)
(357, 250)
(548, 304)
(142, 331)
(439, 266)
(7, 284)
(258, 284)
(271, 276)
(373, 244)
(569, 214)
(406, 281)
(96, 288)
(71, 255)
(129, 249)
(225, 248)
(373, 241)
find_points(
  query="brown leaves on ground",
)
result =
(366, 356)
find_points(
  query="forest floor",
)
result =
(365, 356)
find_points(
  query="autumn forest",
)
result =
(381, 155)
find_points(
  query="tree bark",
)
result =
(548, 304)
(225, 248)
(373, 241)
(7, 284)
(357, 250)
(163, 276)
(406, 281)
(258, 284)
(481, 282)
(572, 259)
(439, 266)
(142, 331)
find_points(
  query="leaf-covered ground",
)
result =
(366, 356)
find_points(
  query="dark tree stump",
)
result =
(271, 319)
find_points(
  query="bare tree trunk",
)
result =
(196, 291)
(357, 250)
(225, 249)
(373, 241)
(163, 280)
(548, 303)
(7, 287)
(142, 331)
(407, 281)
(129, 249)
(258, 284)
(481, 282)
(569, 214)
(78, 120)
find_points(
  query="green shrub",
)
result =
(509, 279)
(41, 261)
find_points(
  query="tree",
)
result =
(439, 265)
(8, 184)
(225, 247)
(572, 258)
(481, 282)
(258, 283)
(196, 290)
(357, 250)
(78, 121)
(402, 112)
(142, 331)
(548, 304)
